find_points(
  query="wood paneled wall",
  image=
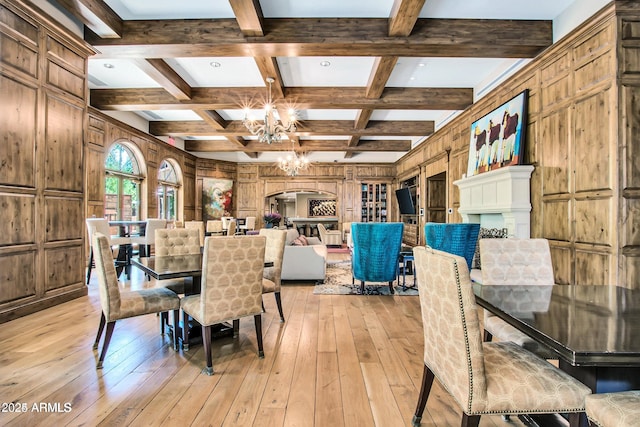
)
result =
(42, 118)
(254, 182)
(582, 138)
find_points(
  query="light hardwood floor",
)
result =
(336, 361)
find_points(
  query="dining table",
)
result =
(184, 266)
(593, 329)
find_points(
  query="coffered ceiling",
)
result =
(368, 78)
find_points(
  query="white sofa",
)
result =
(304, 262)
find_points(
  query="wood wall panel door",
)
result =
(556, 169)
(557, 220)
(64, 149)
(64, 219)
(95, 175)
(631, 127)
(594, 154)
(593, 219)
(592, 268)
(23, 56)
(64, 267)
(247, 196)
(17, 216)
(18, 135)
(17, 276)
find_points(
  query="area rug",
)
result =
(336, 250)
(338, 282)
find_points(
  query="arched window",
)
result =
(122, 184)
(168, 187)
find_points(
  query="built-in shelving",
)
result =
(374, 202)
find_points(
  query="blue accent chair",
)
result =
(376, 248)
(457, 239)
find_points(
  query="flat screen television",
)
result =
(405, 202)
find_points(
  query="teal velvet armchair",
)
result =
(376, 247)
(458, 239)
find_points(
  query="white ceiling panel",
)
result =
(170, 9)
(326, 8)
(117, 74)
(218, 72)
(494, 9)
(340, 71)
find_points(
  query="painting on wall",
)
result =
(497, 139)
(216, 198)
(322, 207)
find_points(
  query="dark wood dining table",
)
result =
(594, 330)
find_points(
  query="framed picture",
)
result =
(322, 207)
(497, 139)
(217, 195)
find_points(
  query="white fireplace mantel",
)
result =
(503, 191)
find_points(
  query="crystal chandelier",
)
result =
(272, 130)
(293, 164)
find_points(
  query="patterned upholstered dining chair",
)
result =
(101, 225)
(376, 248)
(214, 227)
(117, 305)
(515, 262)
(621, 409)
(177, 241)
(483, 378)
(274, 252)
(231, 287)
(458, 239)
(198, 225)
(149, 238)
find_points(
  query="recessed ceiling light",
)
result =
(215, 64)
(108, 65)
(422, 64)
(325, 64)
(412, 78)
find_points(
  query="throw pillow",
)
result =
(487, 233)
(297, 242)
(304, 240)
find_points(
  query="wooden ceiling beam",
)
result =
(166, 77)
(306, 128)
(477, 38)
(391, 145)
(404, 14)
(249, 16)
(213, 118)
(300, 97)
(95, 15)
(382, 69)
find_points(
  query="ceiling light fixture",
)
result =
(272, 130)
(215, 64)
(108, 65)
(293, 164)
(325, 64)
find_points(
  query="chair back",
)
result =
(100, 225)
(107, 277)
(231, 227)
(458, 239)
(516, 262)
(177, 241)
(232, 269)
(178, 224)
(250, 223)
(152, 225)
(452, 343)
(274, 252)
(214, 226)
(198, 225)
(376, 247)
(323, 233)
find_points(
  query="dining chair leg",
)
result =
(206, 340)
(470, 420)
(105, 344)
(185, 331)
(90, 265)
(103, 320)
(236, 328)
(575, 419)
(164, 320)
(258, 321)
(176, 327)
(391, 290)
(427, 382)
(487, 336)
(279, 304)
(362, 287)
